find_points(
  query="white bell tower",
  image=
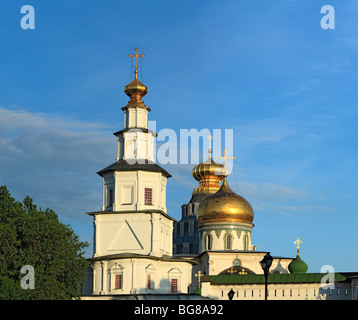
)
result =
(133, 216)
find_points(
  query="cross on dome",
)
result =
(297, 243)
(231, 270)
(136, 56)
(225, 157)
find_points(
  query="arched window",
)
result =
(150, 272)
(209, 242)
(174, 278)
(118, 281)
(115, 277)
(246, 242)
(228, 242)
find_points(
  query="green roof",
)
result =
(272, 278)
(297, 265)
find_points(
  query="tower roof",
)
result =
(124, 165)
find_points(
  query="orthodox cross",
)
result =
(225, 157)
(298, 242)
(231, 270)
(136, 56)
(199, 275)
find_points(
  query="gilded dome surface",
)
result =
(135, 88)
(225, 205)
(136, 91)
(209, 174)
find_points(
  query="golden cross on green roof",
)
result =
(297, 243)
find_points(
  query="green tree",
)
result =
(30, 236)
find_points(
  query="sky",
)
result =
(266, 70)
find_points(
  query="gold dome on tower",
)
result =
(225, 205)
(209, 174)
(135, 89)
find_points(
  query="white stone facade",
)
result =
(135, 117)
(214, 262)
(146, 233)
(290, 291)
(215, 237)
(135, 144)
(140, 276)
(128, 191)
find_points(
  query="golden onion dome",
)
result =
(136, 88)
(225, 206)
(209, 174)
(136, 91)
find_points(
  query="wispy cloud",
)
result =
(53, 159)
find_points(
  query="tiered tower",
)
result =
(132, 232)
(133, 216)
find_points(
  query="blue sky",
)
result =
(265, 69)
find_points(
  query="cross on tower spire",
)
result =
(136, 56)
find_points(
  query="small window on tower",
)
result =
(147, 196)
(110, 198)
(118, 282)
(174, 285)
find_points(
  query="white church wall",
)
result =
(216, 262)
(239, 241)
(134, 273)
(128, 191)
(135, 144)
(225, 236)
(291, 291)
(135, 117)
(148, 233)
